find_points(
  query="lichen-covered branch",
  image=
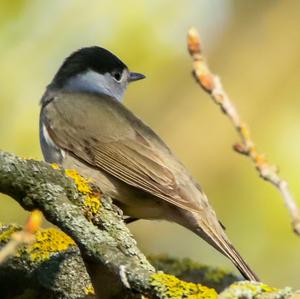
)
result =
(22, 237)
(108, 250)
(51, 267)
(37, 185)
(213, 86)
(94, 229)
(188, 270)
(56, 256)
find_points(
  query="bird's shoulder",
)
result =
(103, 133)
(102, 116)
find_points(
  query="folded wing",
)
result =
(103, 133)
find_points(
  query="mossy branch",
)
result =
(116, 266)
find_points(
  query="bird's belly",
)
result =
(133, 202)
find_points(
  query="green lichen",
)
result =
(48, 242)
(246, 289)
(216, 275)
(91, 201)
(172, 287)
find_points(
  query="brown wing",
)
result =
(103, 133)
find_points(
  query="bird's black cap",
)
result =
(91, 58)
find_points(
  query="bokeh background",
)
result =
(253, 45)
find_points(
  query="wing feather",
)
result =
(104, 134)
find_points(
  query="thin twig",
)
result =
(213, 86)
(25, 236)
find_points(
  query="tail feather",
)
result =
(239, 262)
(218, 239)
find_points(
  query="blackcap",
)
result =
(84, 126)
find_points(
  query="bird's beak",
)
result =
(135, 77)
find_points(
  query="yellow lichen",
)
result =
(267, 289)
(92, 203)
(253, 287)
(89, 290)
(48, 242)
(92, 200)
(6, 233)
(171, 287)
(81, 183)
(55, 166)
(246, 289)
(179, 266)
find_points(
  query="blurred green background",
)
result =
(253, 45)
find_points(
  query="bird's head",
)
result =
(94, 69)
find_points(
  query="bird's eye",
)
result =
(117, 75)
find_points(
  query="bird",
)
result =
(85, 126)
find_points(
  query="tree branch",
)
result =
(213, 86)
(53, 267)
(116, 267)
(36, 185)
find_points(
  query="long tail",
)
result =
(217, 238)
(239, 262)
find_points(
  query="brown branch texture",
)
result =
(213, 86)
